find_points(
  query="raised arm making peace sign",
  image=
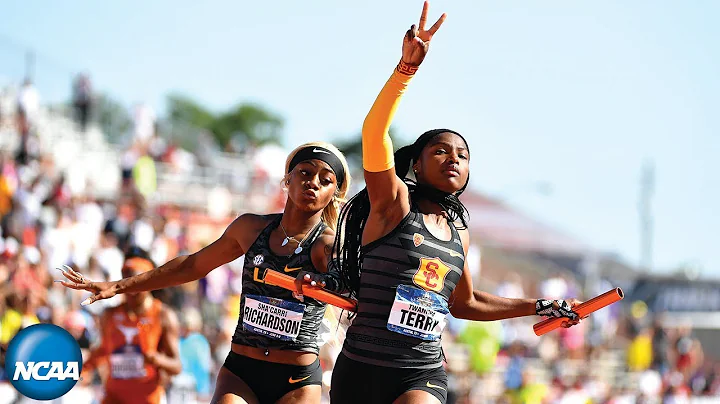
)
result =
(417, 39)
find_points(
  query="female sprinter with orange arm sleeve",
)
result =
(401, 245)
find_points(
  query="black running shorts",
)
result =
(361, 383)
(270, 381)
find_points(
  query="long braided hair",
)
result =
(347, 248)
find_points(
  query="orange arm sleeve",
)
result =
(376, 143)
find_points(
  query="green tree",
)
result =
(252, 122)
(255, 123)
(184, 110)
(112, 117)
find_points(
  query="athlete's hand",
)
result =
(559, 309)
(417, 40)
(305, 278)
(569, 323)
(100, 290)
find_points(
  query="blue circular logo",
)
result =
(43, 362)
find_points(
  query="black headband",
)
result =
(322, 154)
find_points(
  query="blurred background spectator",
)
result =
(82, 100)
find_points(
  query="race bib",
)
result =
(418, 313)
(275, 318)
(127, 363)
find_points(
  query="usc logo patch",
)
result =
(418, 239)
(431, 274)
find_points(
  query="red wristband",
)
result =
(406, 69)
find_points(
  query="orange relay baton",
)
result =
(275, 278)
(583, 309)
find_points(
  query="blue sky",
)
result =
(573, 93)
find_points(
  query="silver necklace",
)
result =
(287, 239)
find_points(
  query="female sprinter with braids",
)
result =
(274, 356)
(401, 245)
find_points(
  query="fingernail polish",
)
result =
(85, 302)
(313, 283)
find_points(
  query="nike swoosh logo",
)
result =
(320, 151)
(293, 381)
(291, 269)
(455, 254)
(432, 386)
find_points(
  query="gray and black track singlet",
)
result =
(268, 313)
(408, 258)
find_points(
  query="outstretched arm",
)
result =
(470, 304)
(180, 270)
(489, 307)
(383, 186)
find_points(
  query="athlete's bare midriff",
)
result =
(284, 357)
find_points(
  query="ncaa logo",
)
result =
(43, 362)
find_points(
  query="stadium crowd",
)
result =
(618, 356)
